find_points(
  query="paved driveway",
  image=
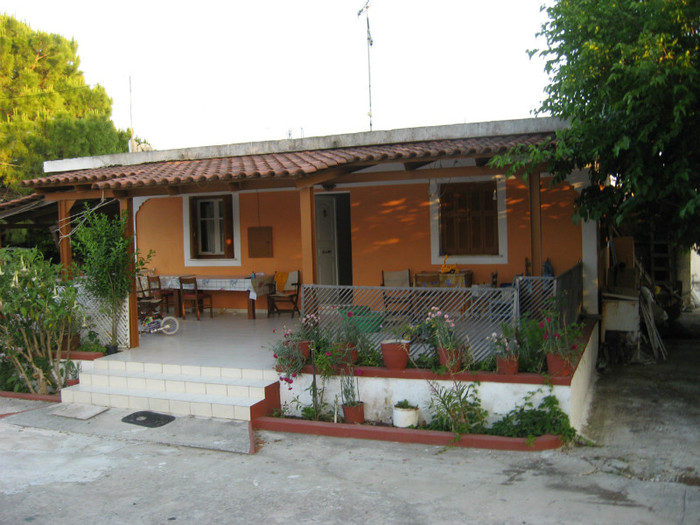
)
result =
(644, 468)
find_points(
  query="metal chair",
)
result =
(189, 293)
(285, 292)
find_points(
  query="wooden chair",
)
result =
(189, 293)
(285, 292)
(397, 304)
(156, 291)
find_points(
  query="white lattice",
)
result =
(101, 322)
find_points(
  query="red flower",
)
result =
(274, 355)
(349, 314)
(358, 372)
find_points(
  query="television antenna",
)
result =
(365, 10)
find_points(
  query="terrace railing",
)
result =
(376, 310)
(477, 311)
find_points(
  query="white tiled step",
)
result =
(189, 384)
(176, 403)
(190, 370)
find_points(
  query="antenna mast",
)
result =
(365, 10)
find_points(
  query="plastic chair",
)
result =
(285, 292)
(189, 293)
(397, 302)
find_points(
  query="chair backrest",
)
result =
(287, 282)
(154, 283)
(396, 279)
(143, 291)
(188, 283)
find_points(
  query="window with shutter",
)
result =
(468, 218)
(211, 227)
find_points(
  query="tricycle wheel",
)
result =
(169, 325)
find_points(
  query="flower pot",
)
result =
(354, 414)
(558, 366)
(347, 352)
(405, 417)
(72, 382)
(305, 349)
(450, 359)
(507, 365)
(395, 354)
(303, 346)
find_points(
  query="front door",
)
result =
(326, 241)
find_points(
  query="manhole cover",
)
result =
(148, 419)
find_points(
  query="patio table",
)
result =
(255, 286)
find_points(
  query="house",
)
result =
(340, 209)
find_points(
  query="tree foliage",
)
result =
(47, 111)
(625, 75)
(108, 267)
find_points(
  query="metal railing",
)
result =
(478, 312)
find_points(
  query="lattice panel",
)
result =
(101, 322)
(477, 312)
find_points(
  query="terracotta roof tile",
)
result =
(279, 165)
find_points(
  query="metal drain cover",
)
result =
(148, 419)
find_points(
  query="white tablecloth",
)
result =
(254, 287)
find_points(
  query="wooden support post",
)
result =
(308, 235)
(126, 209)
(535, 223)
(64, 229)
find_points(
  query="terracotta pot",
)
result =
(303, 346)
(348, 353)
(558, 366)
(354, 414)
(305, 349)
(450, 359)
(395, 354)
(507, 365)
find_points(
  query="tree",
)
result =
(109, 268)
(625, 75)
(47, 111)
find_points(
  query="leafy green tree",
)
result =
(108, 266)
(47, 111)
(625, 75)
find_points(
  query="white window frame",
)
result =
(235, 214)
(502, 257)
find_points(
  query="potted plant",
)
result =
(452, 351)
(348, 338)
(353, 408)
(506, 350)
(395, 351)
(289, 361)
(405, 414)
(72, 372)
(108, 264)
(307, 334)
(560, 344)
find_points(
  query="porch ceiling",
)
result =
(286, 168)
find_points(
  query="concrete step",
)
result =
(228, 393)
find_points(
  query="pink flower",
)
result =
(328, 354)
(274, 355)
(294, 374)
(545, 336)
(549, 319)
(541, 324)
(574, 347)
(349, 314)
(557, 336)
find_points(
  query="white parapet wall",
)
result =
(380, 394)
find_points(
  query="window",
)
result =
(211, 227)
(468, 218)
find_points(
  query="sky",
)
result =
(198, 73)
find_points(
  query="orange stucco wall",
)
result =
(390, 230)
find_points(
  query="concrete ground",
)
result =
(643, 468)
